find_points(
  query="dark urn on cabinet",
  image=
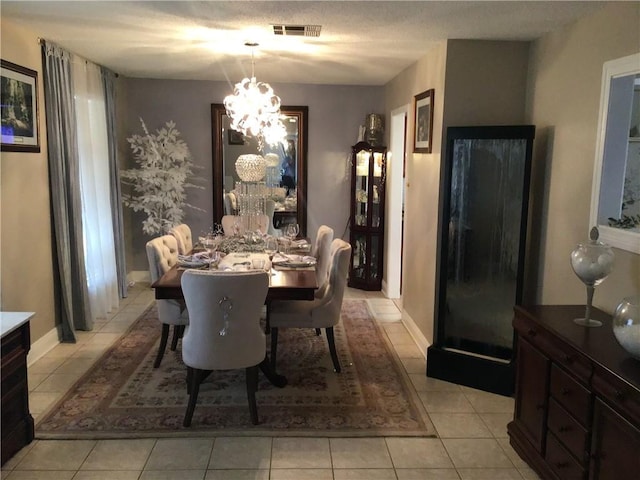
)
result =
(367, 215)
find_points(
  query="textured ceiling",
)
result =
(361, 43)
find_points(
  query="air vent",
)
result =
(297, 30)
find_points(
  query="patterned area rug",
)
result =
(123, 396)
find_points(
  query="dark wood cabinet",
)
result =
(17, 422)
(367, 215)
(531, 397)
(577, 411)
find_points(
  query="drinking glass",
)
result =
(271, 247)
(292, 232)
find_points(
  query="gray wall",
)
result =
(335, 112)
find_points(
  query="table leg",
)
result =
(267, 328)
(275, 379)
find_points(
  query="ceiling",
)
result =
(361, 43)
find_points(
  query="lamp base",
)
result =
(587, 322)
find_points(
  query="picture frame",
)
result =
(19, 108)
(235, 137)
(423, 122)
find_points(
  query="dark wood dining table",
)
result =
(291, 284)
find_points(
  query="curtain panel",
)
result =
(95, 187)
(64, 177)
(108, 81)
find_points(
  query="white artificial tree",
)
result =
(158, 184)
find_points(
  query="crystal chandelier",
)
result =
(254, 109)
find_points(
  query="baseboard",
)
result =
(416, 334)
(386, 292)
(137, 276)
(43, 345)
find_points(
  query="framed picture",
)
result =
(19, 108)
(235, 138)
(423, 125)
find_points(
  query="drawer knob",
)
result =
(619, 394)
(564, 428)
(568, 358)
(565, 391)
(532, 332)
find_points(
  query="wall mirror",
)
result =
(615, 198)
(288, 171)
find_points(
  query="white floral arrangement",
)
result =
(158, 184)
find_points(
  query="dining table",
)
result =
(284, 284)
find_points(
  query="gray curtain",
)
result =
(64, 178)
(108, 81)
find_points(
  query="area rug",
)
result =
(123, 396)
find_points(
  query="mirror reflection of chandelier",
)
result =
(254, 109)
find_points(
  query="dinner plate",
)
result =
(297, 264)
(192, 263)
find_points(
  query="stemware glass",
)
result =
(592, 262)
(271, 248)
(292, 232)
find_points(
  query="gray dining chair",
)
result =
(224, 331)
(162, 254)
(323, 312)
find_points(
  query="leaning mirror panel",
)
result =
(615, 199)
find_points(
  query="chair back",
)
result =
(162, 254)
(224, 329)
(231, 222)
(330, 304)
(322, 252)
(182, 233)
(230, 203)
(269, 208)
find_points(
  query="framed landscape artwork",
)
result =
(423, 124)
(19, 108)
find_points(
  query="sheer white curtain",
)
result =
(99, 249)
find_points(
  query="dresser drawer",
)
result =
(558, 351)
(617, 392)
(561, 461)
(568, 431)
(570, 394)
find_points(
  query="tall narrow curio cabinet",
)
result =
(368, 165)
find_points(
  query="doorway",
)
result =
(394, 226)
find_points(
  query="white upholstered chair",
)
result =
(270, 207)
(321, 251)
(230, 206)
(224, 331)
(183, 236)
(229, 223)
(162, 254)
(322, 312)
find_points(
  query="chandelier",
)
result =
(254, 109)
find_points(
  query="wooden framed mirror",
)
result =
(228, 145)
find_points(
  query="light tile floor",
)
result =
(471, 426)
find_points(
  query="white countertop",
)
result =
(9, 321)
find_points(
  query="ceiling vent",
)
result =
(297, 30)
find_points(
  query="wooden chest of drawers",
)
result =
(577, 410)
(17, 422)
